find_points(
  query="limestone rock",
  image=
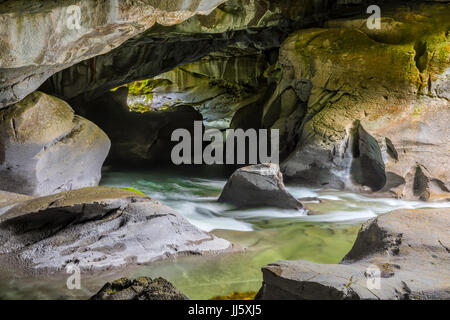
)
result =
(99, 228)
(45, 148)
(407, 251)
(142, 288)
(258, 185)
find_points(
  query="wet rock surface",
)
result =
(99, 228)
(258, 185)
(406, 250)
(45, 148)
(142, 288)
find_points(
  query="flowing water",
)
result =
(324, 234)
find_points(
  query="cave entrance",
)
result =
(222, 90)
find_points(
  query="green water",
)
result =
(267, 234)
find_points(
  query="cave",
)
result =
(337, 110)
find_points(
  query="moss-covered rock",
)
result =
(217, 86)
(142, 288)
(393, 81)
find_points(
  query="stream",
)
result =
(324, 235)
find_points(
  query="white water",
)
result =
(196, 199)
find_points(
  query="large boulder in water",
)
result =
(400, 255)
(258, 185)
(98, 228)
(142, 288)
(45, 148)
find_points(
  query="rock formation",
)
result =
(99, 228)
(45, 148)
(392, 80)
(242, 24)
(256, 186)
(142, 288)
(41, 38)
(407, 251)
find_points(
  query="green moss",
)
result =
(133, 190)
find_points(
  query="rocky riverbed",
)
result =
(90, 95)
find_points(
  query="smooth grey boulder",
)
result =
(142, 288)
(407, 251)
(258, 185)
(99, 228)
(45, 148)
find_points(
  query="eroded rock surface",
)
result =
(142, 288)
(409, 249)
(45, 148)
(40, 38)
(258, 185)
(390, 80)
(243, 24)
(99, 228)
(217, 86)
